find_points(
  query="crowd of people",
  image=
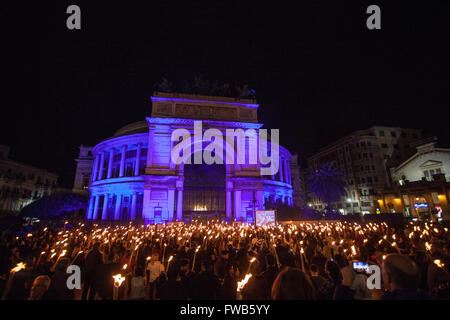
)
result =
(212, 260)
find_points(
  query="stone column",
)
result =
(96, 203)
(100, 171)
(237, 205)
(133, 205)
(147, 212)
(288, 169)
(260, 199)
(138, 159)
(281, 169)
(180, 205)
(105, 207)
(122, 161)
(95, 169)
(117, 208)
(170, 204)
(110, 163)
(229, 204)
(90, 208)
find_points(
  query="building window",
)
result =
(395, 146)
(384, 145)
(393, 134)
(381, 133)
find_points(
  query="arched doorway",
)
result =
(204, 190)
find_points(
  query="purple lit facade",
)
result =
(133, 177)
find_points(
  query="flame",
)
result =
(241, 284)
(19, 267)
(439, 263)
(118, 279)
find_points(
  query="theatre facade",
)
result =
(134, 178)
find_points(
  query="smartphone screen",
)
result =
(360, 266)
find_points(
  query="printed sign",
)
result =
(265, 217)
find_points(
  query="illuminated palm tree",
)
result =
(327, 184)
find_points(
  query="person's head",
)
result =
(313, 270)
(256, 267)
(400, 272)
(224, 254)
(184, 265)
(96, 246)
(421, 257)
(15, 252)
(229, 270)
(292, 284)
(39, 287)
(207, 266)
(332, 269)
(139, 272)
(62, 264)
(270, 260)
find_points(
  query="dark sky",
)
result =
(318, 72)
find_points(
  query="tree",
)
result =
(55, 205)
(327, 184)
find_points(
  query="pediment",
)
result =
(430, 163)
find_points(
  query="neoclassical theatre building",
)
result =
(133, 177)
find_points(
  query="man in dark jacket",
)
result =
(220, 265)
(58, 286)
(401, 277)
(208, 284)
(92, 267)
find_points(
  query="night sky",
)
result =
(318, 72)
